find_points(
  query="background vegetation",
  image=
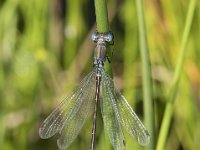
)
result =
(45, 49)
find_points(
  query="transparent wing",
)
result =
(66, 110)
(75, 123)
(110, 114)
(128, 118)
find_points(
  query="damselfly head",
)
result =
(103, 37)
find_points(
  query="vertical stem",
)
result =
(102, 22)
(101, 15)
(129, 52)
(74, 27)
(175, 82)
(146, 74)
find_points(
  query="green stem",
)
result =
(175, 82)
(146, 74)
(103, 24)
(101, 15)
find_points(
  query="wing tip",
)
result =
(61, 146)
(41, 133)
(146, 140)
(45, 134)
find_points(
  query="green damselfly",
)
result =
(69, 117)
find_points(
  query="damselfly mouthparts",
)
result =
(68, 118)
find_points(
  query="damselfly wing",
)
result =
(68, 118)
(117, 113)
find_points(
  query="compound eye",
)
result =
(109, 38)
(94, 36)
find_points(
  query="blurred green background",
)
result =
(45, 50)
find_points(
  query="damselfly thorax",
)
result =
(100, 51)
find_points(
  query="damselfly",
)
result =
(69, 117)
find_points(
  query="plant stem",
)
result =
(175, 82)
(101, 15)
(146, 74)
(103, 24)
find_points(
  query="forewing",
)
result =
(129, 119)
(75, 123)
(110, 114)
(65, 110)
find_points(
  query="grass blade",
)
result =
(146, 74)
(178, 70)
